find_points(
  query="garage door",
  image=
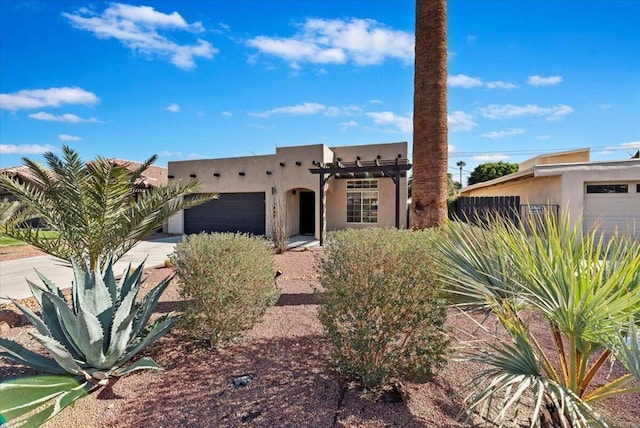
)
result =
(231, 212)
(612, 206)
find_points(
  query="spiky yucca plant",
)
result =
(586, 288)
(91, 339)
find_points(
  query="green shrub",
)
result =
(227, 282)
(382, 307)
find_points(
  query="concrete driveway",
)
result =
(13, 272)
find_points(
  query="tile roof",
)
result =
(154, 176)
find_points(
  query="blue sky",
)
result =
(218, 78)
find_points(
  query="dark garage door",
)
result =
(231, 212)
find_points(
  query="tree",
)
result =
(585, 289)
(490, 170)
(460, 164)
(429, 187)
(92, 206)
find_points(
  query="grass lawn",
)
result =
(6, 241)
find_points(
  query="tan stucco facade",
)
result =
(285, 174)
(545, 180)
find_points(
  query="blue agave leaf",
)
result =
(142, 364)
(22, 395)
(148, 304)
(59, 353)
(22, 355)
(93, 329)
(63, 401)
(68, 322)
(156, 330)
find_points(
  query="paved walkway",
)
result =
(13, 272)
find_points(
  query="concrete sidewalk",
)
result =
(13, 272)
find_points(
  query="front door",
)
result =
(307, 213)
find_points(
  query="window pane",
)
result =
(607, 188)
(362, 184)
(369, 207)
(354, 207)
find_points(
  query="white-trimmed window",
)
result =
(362, 202)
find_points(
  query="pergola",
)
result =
(392, 168)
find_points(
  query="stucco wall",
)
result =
(291, 177)
(532, 190)
(337, 201)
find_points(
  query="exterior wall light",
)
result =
(216, 174)
(298, 163)
(269, 172)
(282, 164)
(241, 173)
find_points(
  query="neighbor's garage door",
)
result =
(231, 212)
(612, 206)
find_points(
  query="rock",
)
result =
(9, 317)
(4, 327)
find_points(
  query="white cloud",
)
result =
(137, 28)
(294, 110)
(452, 149)
(306, 109)
(491, 157)
(471, 38)
(67, 137)
(227, 113)
(375, 101)
(543, 81)
(335, 41)
(25, 149)
(67, 117)
(512, 132)
(404, 124)
(605, 106)
(464, 81)
(460, 121)
(169, 154)
(495, 111)
(175, 108)
(632, 146)
(52, 97)
(543, 137)
(499, 84)
(346, 125)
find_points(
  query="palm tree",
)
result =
(587, 291)
(92, 206)
(460, 164)
(429, 189)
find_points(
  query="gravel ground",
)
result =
(293, 382)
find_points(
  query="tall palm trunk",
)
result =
(430, 157)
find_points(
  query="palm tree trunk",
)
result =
(430, 156)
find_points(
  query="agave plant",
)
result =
(585, 287)
(91, 339)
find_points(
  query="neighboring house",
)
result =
(20, 173)
(153, 176)
(606, 193)
(359, 190)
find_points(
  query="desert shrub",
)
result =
(227, 282)
(382, 306)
